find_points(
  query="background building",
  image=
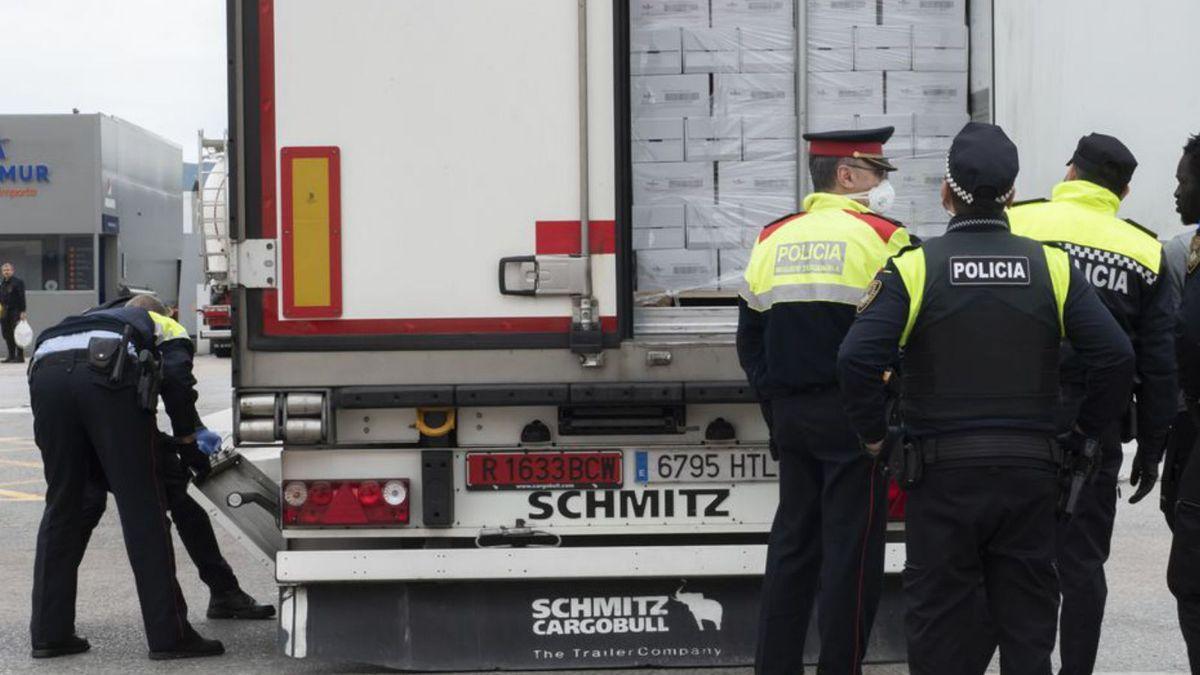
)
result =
(89, 203)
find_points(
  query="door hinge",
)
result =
(252, 263)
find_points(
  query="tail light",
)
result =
(217, 316)
(897, 500)
(346, 503)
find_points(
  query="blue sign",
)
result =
(21, 173)
(109, 224)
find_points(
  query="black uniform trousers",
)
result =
(827, 541)
(195, 528)
(85, 424)
(1083, 545)
(8, 326)
(1183, 504)
(967, 522)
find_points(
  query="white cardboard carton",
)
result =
(903, 124)
(928, 59)
(673, 183)
(830, 60)
(655, 52)
(925, 12)
(662, 96)
(714, 139)
(845, 93)
(941, 125)
(732, 265)
(739, 181)
(676, 270)
(668, 13)
(950, 37)
(774, 37)
(649, 239)
(927, 93)
(871, 37)
(756, 94)
(769, 149)
(710, 50)
(883, 58)
(834, 35)
(657, 140)
(768, 61)
(821, 123)
(725, 215)
(658, 216)
(769, 127)
(841, 12)
(715, 238)
(766, 13)
(919, 179)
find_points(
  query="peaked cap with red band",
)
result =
(864, 144)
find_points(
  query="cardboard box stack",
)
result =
(714, 107)
(900, 63)
(714, 136)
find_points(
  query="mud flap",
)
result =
(546, 625)
(243, 496)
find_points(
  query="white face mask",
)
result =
(879, 198)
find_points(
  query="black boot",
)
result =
(237, 604)
(193, 646)
(72, 645)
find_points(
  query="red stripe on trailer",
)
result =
(562, 237)
(273, 325)
(266, 111)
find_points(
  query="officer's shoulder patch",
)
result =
(1024, 202)
(884, 227)
(774, 225)
(870, 295)
(1142, 228)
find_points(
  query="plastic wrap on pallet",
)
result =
(657, 140)
(848, 93)
(658, 216)
(768, 48)
(711, 50)
(750, 13)
(925, 12)
(651, 238)
(668, 13)
(714, 139)
(655, 52)
(830, 60)
(673, 183)
(716, 226)
(769, 138)
(731, 265)
(754, 94)
(831, 22)
(919, 178)
(926, 93)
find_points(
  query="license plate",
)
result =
(718, 466)
(544, 470)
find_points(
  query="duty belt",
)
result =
(990, 446)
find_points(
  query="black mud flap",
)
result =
(243, 497)
(545, 625)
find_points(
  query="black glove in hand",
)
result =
(1144, 474)
(195, 460)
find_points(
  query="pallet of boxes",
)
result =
(714, 119)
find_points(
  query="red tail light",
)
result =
(346, 503)
(217, 316)
(897, 500)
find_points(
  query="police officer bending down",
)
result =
(805, 275)
(93, 391)
(177, 458)
(980, 314)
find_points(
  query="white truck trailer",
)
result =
(483, 256)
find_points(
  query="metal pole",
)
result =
(584, 179)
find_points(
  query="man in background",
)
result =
(12, 310)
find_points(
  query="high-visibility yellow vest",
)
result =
(166, 328)
(829, 252)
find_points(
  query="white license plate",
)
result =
(713, 466)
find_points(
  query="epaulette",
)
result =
(1039, 200)
(883, 226)
(777, 223)
(883, 217)
(1142, 228)
(906, 249)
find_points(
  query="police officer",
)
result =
(1125, 263)
(980, 313)
(804, 277)
(92, 391)
(1184, 500)
(177, 458)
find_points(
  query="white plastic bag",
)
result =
(23, 334)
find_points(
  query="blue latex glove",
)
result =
(208, 441)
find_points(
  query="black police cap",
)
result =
(1106, 159)
(864, 144)
(982, 164)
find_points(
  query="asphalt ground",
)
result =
(1141, 631)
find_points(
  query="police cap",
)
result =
(982, 164)
(864, 144)
(1105, 158)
